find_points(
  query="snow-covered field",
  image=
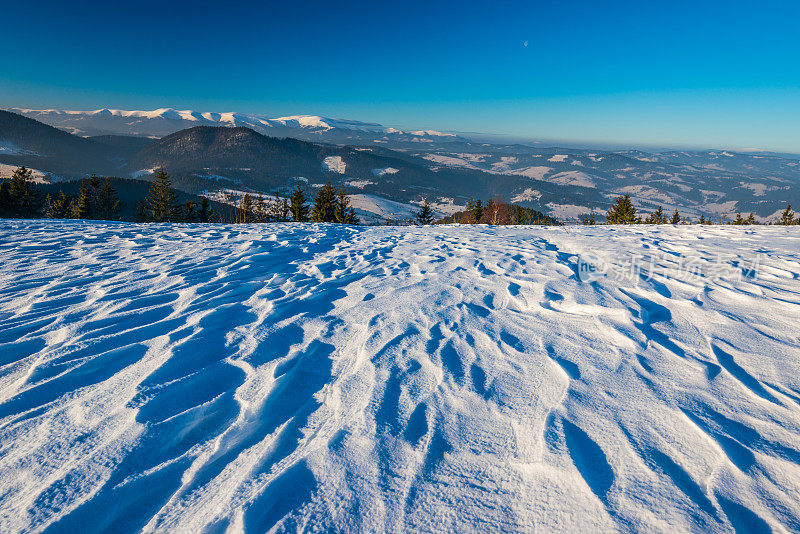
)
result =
(315, 377)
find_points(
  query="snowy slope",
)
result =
(188, 377)
(372, 209)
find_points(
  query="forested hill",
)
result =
(24, 141)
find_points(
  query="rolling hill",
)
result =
(231, 151)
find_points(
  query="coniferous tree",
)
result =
(142, 213)
(343, 212)
(260, 211)
(739, 220)
(275, 208)
(467, 219)
(5, 199)
(245, 210)
(285, 209)
(425, 214)
(477, 211)
(94, 182)
(162, 201)
(62, 206)
(189, 211)
(676, 218)
(622, 211)
(23, 194)
(787, 217)
(280, 207)
(324, 204)
(74, 210)
(657, 217)
(751, 219)
(519, 215)
(59, 207)
(47, 209)
(83, 205)
(340, 207)
(204, 215)
(106, 202)
(298, 206)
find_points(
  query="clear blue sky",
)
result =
(671, 73)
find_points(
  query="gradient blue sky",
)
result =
(671, 73)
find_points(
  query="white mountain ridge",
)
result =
(63, 118)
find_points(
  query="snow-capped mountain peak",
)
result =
(431, 133)
(163, 121)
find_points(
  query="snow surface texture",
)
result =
(188, 377)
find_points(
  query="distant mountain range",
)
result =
(161, 122)
(389, 168)
(205, 159)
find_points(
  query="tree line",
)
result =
(19, 197)
(329, 205)
(624, 212)
(499, 212)
(97, 199)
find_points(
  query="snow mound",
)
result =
(326, 378)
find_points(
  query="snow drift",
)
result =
(257, 377)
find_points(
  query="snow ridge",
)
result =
(321, 377)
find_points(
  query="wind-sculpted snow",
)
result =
(314, 377)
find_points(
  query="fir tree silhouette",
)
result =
(425, 214)
(107, 203)
(24, 198)
(324, 204)
(162, 201)
(787, 216)
(622, 211)
(298, 205)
